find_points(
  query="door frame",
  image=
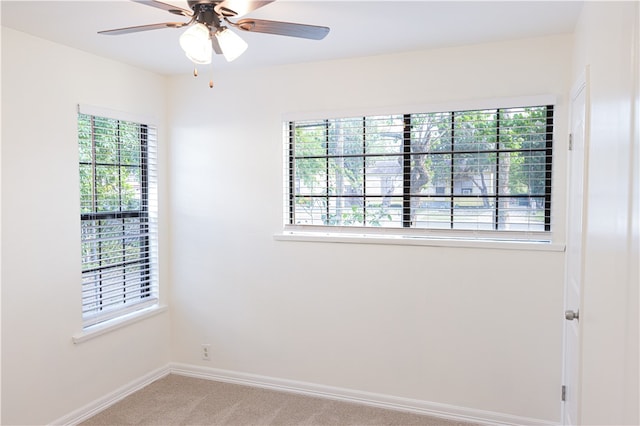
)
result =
(581, 84)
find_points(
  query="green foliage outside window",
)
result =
(116, 161)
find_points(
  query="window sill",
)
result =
(114, 324)
(407, 240)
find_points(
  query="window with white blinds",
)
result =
(118, 211)
(487, 171)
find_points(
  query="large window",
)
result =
(481, 170)
(118, 217)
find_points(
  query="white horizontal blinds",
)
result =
(118, 203)
(473, 170)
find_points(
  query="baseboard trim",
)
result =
(93, 408)
(444, 411)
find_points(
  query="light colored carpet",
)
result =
(179, 400)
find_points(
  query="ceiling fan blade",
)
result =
(290, 29)
(138, 28)
(164, 6)
(232, 8)
(216, 45)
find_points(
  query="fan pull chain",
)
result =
(195, 74)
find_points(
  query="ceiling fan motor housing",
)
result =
(206, 6)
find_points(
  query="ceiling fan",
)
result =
(207, 32)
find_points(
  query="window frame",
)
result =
(426, 236)
(144, 217)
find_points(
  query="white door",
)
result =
(576, 209)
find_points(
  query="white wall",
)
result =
(607, 41)
(474, 328)
(44, 375)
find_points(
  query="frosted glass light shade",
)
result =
(196, 44)
(230, 43)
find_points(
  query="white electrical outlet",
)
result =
(206, 351)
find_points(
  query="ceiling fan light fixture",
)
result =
(196, 43)
(231, 44)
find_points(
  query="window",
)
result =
(118, 217)
(480, 170)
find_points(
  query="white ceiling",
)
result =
(358, 28)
